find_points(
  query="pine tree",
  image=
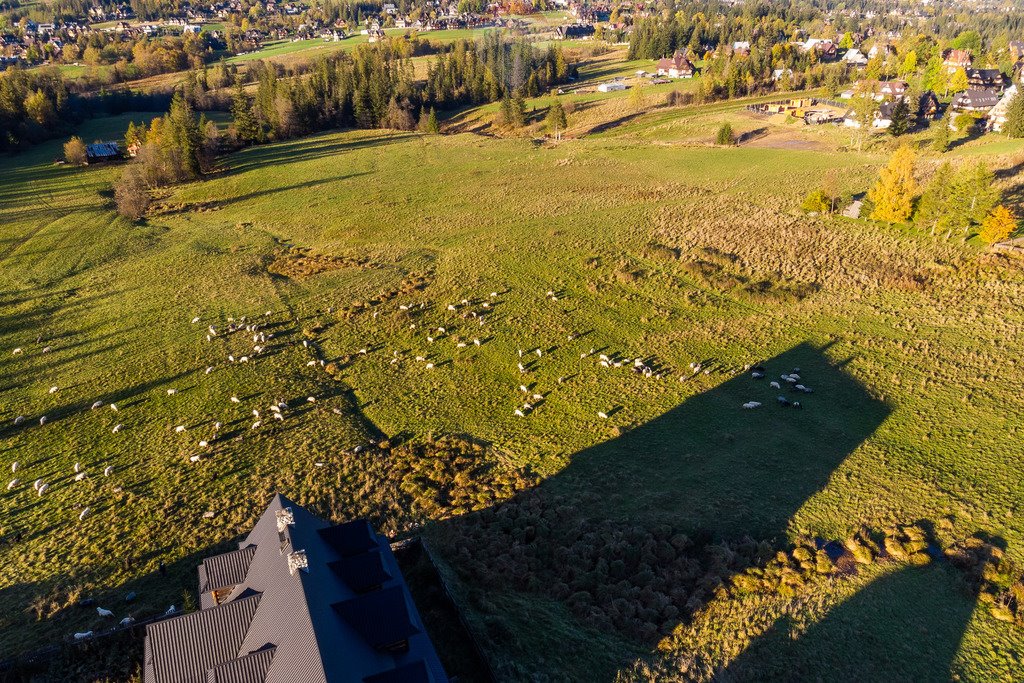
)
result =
(246, 128)
(934, 210)
(555, 120)
(974, 195)
(893, 194)
(1014, 126)
(900, 118)
(999, 225)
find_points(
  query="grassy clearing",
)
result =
(672, 253)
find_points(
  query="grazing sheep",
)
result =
(538, 352)
(256, 424)
(80, 476)
(775, 385)
(43, 489)
(460, 345)
(170, 610)
(47, 349)
(429, 366)
(235, 399)
(519, 413)
(14, 466)
(108, 470)
(96, 405)
(537, 397)
(195, 458)
(310, 363)
(127, 621)
(521, 368)
(37, 483)
(17, 351)
(476, 342)
(83, 635)
(18, 420)
(603, 416)
(43, 420)
(279, 416)
(81, 516)
(54, 390)
(756, 375)
(195, 320)
(118, 427)
(311, 399)
(78, 467)
(172, 392)
(113, 406)
(13, 483)
(749, 405)
(204, 443)
(179, 429)
(796, 404)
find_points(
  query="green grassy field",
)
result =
(672, 253)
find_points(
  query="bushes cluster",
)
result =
(998, 580)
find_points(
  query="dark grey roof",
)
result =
(380, 617)
(182, 649)
(362, 572)
(295, 613)
(410, 673)
(225, 570)
(350, 538)
(252, 668)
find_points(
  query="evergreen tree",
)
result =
(246, 128)
(1014, 126)
(893, 193)
(900, 121)
(556, 120)
(935, 208)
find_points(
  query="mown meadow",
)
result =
(380, 253)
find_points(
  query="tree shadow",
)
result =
(888, 631)
(638, 532)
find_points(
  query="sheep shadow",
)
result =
(619, 541)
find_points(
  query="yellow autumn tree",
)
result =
(998, 225)
(893, 193)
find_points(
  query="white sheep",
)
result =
(54, 390)
(18, 420)
(83, 635)
(603, 416)
(118, 427)
(127, 621)
(14, 466)
(80, 476)
(81, 516)
(749, 405)
(775, 385)
(13, 483)
(43, 489)
(96, 405)
(179, 429)
(172, 392)
(108, 470)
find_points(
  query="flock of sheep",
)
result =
(528, 398)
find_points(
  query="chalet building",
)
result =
(986, 79)
(997, 117)
(855, 57)
(300, 600)
(928, 105)
(975, 101)
(678, 66)
(957, 59)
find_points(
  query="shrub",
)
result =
(817, 201)
(131, 193)
(725, 136)
(74, 151)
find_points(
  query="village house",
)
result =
(678, 66)
(928, 105)
(997, 116)
(102, 151)
(574, 31)
(975, 101)
(855, 57)
(986, 79)
(957, 59)
(299, 600)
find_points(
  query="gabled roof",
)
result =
(226, 570)
(279, 624)
(184, 648)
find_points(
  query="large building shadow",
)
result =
(906, 625)
(639, 532)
